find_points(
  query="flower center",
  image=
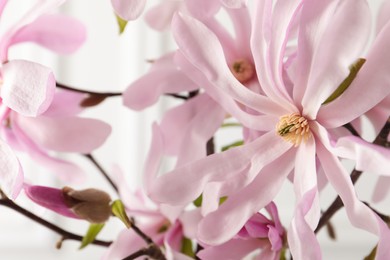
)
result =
(294, 128)
(242, 70)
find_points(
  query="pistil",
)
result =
(294, 128)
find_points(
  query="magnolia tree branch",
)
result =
(337, 204)
(102, 171)
(65, 235)
(93, 93)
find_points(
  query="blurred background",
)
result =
(108, 62)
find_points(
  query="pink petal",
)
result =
(368, 157)
(28, 87)
(202, 9)
(39, 8)
(194, 134)
(65, 103)
(164, 77)
(381, 189)
(58, 33)
(373, 73)
(65, 170)
(160, 16)
(221, 225)
(3, 3)
(301, 238)
(189, 221)
(252, 121)
(269, 37)
(202, 48)
(233, 249)
(379, 114)
(67, 134)
(358, 213)
(50, 198)
(154, 157)
(187, 182)
(383, 16)
(234, 3)
(11, 175)
(128, 9)
(344, 37)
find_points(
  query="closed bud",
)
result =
(92, 205)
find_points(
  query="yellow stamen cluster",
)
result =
(294, 128)
(242, 70)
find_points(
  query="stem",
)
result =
(139, 232)
(176, 96)
(337, 204)
(210, 147)
(64, 234)
(153, 251)
(106, 94)
(102, 171)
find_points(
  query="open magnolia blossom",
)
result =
(299, 79)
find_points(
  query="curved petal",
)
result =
(67, 134)
(164, 77)
(49, 198)
(65, 103)
(202, 9)
(203, 49)
(301, 238)
(128, 9)
(342, 41)
(187, 183)
(374, 73)
(28, 87)
(66, 171)
(358, 213)
(269, 37)
(160, 16)
(381, 189)
(233, 249)
(58, 33)
(383, 16)
(252, 121)
(368, 157)
(11, 175)
(234, 3)
(239, 207)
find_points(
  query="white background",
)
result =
(109, 62)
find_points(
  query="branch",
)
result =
(93, 93)
(337, 204)
(64, 234)
(102, 171)
(153, 251)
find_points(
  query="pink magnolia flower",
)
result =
(26, 87)
(167, 226)
(132, 9)
(328, 44)
(257, 233)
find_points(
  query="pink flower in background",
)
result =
(258, 232)
(331, 36)
(27, 88)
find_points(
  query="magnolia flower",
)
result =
(291, 114)
(132, 9)
(27, 87)
(166, 226)
(257, 233)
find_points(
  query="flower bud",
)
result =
(90, 204)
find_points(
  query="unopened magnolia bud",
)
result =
(91, 204)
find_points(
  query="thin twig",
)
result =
(337, 204)
(351, 129)
(152, 251)
(106, 94)
(65, 235)
(102, 171)
(176, 96)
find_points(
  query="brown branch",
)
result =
(102, 171)
(65, 235)
(153, 251)
(337, 204)
(93, 93)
